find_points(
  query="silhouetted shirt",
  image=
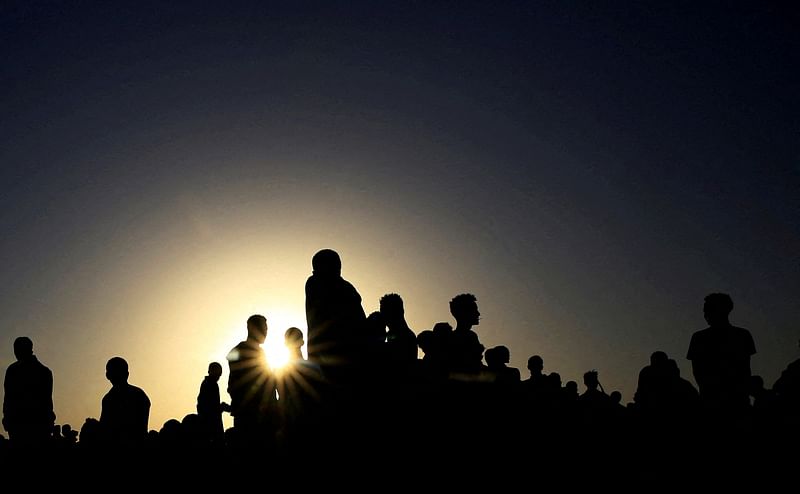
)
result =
(335, 317)
(465, 351)
(721, 361)
(401, 346)
(125, 414)
(251, 384)
(208, 406)
(28, 401)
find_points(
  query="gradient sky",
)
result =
(588, 170)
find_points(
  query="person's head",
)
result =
(716, 309)
(326, 263)
(376, 327)
(214, 370)
(464, 308)
(293, 338)
(442, 329)
(391, 306)
(502, 354)
(257, 328)
(23, 347)
(535, 364)
(590, 379)
(117, 370)
(426, 341)
(658, 358)
(616, 397)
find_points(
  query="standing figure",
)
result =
(209, 407)
(126, 408)
(252, 385)
(336, 319)
(28, 403)
(720, 356)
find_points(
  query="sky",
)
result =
(589, 170)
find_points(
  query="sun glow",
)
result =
(278, 321)
(277, 355)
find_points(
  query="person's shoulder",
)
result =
(701, 335)
(235, 352)
(138, 391)
(739, 330)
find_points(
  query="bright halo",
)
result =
(278, 321)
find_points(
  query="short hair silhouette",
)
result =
(293, 337)
(717, 307)
(23, 347)
(502, 353)
(442, 328)
(257, 327)
(391, 304)
(327, 262)
(590, 379)
(462, 303)
(215, 369)
(117, 370)
(658, 358)
(535, 362)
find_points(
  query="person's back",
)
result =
(126, 408)
(252, 385)
(497, 359)
(334, 314)
(720, 356)
(401, 342)
(28, 402)
(209, 407)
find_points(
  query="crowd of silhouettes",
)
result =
(363, 398)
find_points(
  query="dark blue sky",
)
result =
(589, 170)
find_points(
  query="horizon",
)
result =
(590, 174)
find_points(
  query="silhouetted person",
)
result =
(252, 385)
(765, 404)
(720, 356)
(497, 359)
(126, 408)
(209, 406)
(436, 352)
(70, 435)
(464, 347)
(787, 389)
(534, 385)
(375, 343)
(28, 403)
(91, 436)
(335, 317)
(401, 342)
(653, 382)
(298, 381)
(594, 402)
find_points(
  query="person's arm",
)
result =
(48, 396)
(8, 400)
(145, 413)
(699, 368)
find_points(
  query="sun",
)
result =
(277, 355)
(278, 321)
